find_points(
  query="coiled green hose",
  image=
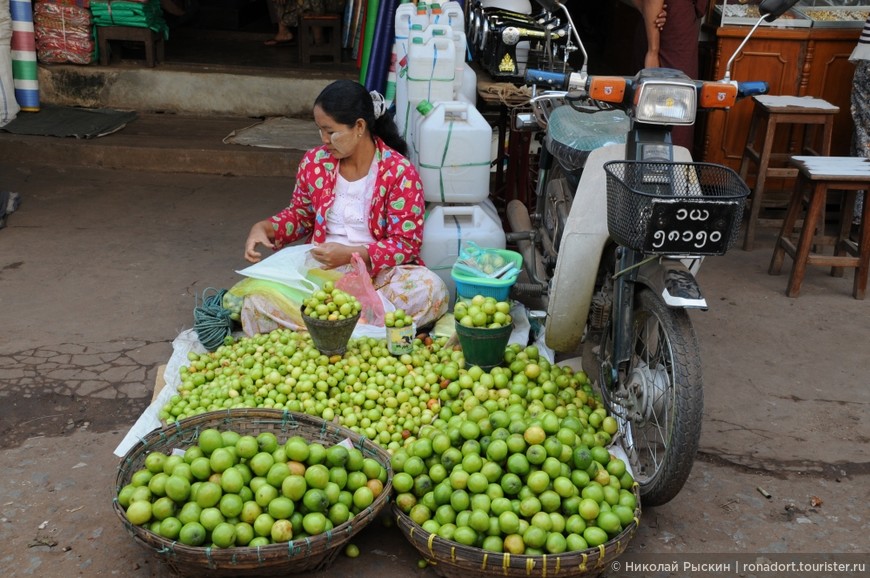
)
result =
(210, 320)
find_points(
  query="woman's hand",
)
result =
(261, 234)
(333, 255)
(662, 17)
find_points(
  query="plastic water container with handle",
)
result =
(452, 145)
(451, 14)
(408, 16)
(431, 68)
(448, 227)
(408, 113)
(468, 88)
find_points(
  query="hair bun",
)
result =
(379, 104)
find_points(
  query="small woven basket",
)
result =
(453, 560)
(330, 337)
(310, 554)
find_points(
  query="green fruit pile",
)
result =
(517, 462)
(528, 381)
(233, 304)
(480, 311)
(487, 261)
(514, 481)
(331, 304)
(397, 319)
(383, 397)
(239, 490)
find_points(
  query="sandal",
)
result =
(280, 41)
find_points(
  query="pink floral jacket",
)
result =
(397, 206)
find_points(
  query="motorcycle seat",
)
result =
(571, 135)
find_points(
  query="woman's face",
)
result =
(340, 139)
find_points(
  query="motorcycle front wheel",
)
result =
(659, 405)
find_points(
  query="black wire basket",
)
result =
(674, 208)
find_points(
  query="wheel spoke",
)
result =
(652, 366)
(658, 400)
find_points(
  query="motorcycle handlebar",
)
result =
(562, 81)
(752, 88)
(549, 79)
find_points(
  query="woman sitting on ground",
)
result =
(357, 193)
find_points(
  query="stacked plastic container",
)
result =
(448, 138)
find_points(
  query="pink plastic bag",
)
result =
(358, 283)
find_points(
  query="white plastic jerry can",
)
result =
(408, 17)
(431, 68)
(448, 227)
(451, 14)
(468, 88)
(452, 150)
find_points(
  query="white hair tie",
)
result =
(380, 105)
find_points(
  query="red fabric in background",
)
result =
(64, 31)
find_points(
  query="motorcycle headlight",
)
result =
(665, 102)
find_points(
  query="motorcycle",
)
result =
(622, 219)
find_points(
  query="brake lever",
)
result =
(579, 101)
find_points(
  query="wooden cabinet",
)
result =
(829, 77)
(795, 62)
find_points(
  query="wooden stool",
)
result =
(771, 112)
(154, 44)
(331, 26)
(819, 175)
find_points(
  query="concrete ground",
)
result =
(100, 269)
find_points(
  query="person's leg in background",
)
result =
(285, 13)
(861, 120)
(678, 49)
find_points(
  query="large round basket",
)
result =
(454, 560)
(308, 554)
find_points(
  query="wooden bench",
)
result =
(153, 41)
(331, 26)
(770, 113)
(816, 177)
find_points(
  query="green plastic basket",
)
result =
(469, 285)
(482, 346)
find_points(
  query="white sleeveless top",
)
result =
(347, 221)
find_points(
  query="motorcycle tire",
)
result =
(661, 420)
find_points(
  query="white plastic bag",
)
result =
(290, 266)
(294, 266)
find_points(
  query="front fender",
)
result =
(673, 282)
(580, 252)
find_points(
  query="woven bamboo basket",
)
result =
(309, 554)
(454, 560)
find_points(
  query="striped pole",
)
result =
(24, 69)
